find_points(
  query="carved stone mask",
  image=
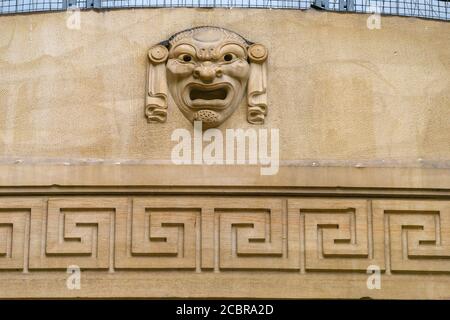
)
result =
(208, 71)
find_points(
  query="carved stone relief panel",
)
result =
(208, 71)
(418, 233)
(131, 239)
(338, 234)
(224, 233)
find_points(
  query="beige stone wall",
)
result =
(370, 107)
(337, 90)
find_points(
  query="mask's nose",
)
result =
(207, 72)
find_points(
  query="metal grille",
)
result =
(275, 4)
(433, 9)
(13, 6)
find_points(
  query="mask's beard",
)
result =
(208, 117)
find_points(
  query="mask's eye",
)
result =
(185, 57)
(228, 57)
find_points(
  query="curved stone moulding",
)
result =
(257, 85)
(156, 98)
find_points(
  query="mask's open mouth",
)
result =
(208, 94)
(215, 96)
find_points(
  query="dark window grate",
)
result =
(432, 9)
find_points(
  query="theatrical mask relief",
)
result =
(208, 71)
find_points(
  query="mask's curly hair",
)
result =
(181, 34)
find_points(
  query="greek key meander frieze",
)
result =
(224, 233)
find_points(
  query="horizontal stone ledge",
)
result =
(231, 285)
(21, 175)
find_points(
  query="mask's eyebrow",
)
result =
(233, 48)
(183, 48)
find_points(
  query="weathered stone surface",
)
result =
(337, 91)
(364, 180)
